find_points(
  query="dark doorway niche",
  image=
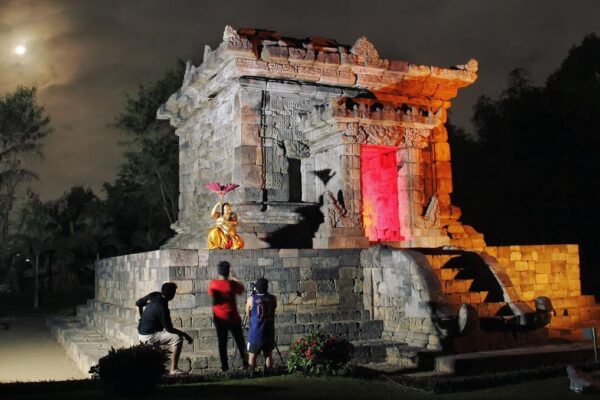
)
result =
(295, 180)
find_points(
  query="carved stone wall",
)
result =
(286, 118)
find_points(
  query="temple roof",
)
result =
(268, 54)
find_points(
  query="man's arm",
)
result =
(248, 308)
(165, 320)
(141, 303)
(238, 287)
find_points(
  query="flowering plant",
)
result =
(319, 353)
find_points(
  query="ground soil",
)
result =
(28, 352)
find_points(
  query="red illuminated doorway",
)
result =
(379, 182)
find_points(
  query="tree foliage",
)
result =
(533, 175)
(65, 236)
(23, 123)
(143, 199)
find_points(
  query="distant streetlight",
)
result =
(20, 50)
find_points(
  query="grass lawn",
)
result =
(297, 387)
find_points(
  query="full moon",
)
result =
(20, 50)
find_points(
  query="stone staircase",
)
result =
(461, 287)
(99, 326)
(83, 344)
(572, 314)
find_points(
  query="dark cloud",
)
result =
(84, 56)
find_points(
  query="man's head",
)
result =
(262, 285)
(223, 269)
(168, 290)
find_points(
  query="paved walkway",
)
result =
(29, 353)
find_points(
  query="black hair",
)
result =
(262, 285)
(223, 269)
(168, 290)
(223, 208)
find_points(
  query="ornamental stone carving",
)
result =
(335, 211)
(294, 149)
(364, 53)
(384, 135)
(415, 138)
(232, 39)
(354, 135)
(430, 218)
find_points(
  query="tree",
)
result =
(533, 176)
(34, 235)
(23, 123)
(143, 199)
(82, 232)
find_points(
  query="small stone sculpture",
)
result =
(224, 235)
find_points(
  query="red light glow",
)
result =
(379, 179)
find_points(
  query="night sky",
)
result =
(85, 55)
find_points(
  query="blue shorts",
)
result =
(264, 348)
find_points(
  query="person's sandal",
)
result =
(177, 372)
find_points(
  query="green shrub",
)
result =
(318, 353)
(131, 371)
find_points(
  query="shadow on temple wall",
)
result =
(471, 266)
(299, 236)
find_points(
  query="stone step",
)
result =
(487, 310)
(281, 317)
(574, 302)
(505, 360)
(450, 286)
(448, 273)
(568, 321)
(472, 298)
(125, 331)
(574, 333)
(84, 345)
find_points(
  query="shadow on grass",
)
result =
(221, 390)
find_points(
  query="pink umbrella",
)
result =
(221, 190)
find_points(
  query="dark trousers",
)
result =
(223, 328)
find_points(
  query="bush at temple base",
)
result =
(318, 353)
(131, 371)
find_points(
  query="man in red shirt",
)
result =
(226, 316)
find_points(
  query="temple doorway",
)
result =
(379, 182)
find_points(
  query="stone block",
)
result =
(307, 286)
(325, 286)
(184, 286)
(324, 273)
(183, 301)
(441, 151)
(246, 155)
(178, 257)
(288, 253)
(444, 185)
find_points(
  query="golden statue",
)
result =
(224, 235)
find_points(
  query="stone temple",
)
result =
(344, 204)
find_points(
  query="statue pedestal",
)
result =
(340, 238)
